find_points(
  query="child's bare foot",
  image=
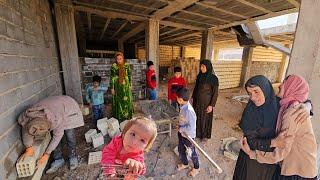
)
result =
(194, 172)
(182, 167)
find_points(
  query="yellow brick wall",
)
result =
(192, 52)
(266, 54)
(141, 54)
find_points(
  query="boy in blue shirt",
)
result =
(187, 127)
(95, 97)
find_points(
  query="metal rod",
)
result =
(203, 152)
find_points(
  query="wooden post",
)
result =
(283, 66)
(246, 65)
(152, 44)
(305, 54)
(183, 51)
(120, 46)
(207, 44)
(64, 13)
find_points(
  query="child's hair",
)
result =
(118, 54)
(142, 121)
(149, 63)
(96, 78)
(183, 93)
(177, 69)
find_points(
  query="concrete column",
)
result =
(283, 66)
(216, 54)
(152, 43)
(207, 45)
(246, 65)
(121, 46)
(64, 13)
(305, 55)
(183, 51)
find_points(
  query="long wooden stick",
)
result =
(203, 152)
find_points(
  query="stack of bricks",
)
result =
(102, 67)
(189, 66)
(167, 53)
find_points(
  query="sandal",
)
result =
(193, 172)
(182, 167)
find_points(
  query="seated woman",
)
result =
(298, 158)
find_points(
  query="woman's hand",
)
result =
(209, 109)
(246, 148)
(282, 140)
(113, 92)
(302, 113)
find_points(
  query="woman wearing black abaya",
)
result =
(204, 97)
(258, 124)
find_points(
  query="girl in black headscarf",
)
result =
(204, 97)
(258, 124)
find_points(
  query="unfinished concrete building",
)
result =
(42, 42)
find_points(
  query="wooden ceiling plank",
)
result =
(254, 6)
(120, 28)
(105, 28)
(221, 10)
(205, 16)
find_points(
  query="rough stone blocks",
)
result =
(97, 140)
(102, 125)
(113, 132)
(89, 135)
(113, 124)
(94, 157)
(123, 124)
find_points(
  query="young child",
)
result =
(187, 126)
(175, 83)
(128, 148)
(95, 97)
(151, 81)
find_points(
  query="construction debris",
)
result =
(230, 147)
(94, 157)
(241, 98)
(97, 140)
(102, 125)
(88, 135)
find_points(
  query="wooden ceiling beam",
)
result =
(221, 10)
(120, 28)
(182, 26)
(295, 3)
(205, 16)
(254, 6)
(133, 32)
(171, 8)
(170, 31)
(105, 28)
(173, 35)
(193, 21)
(132, 4)
(266, 16)
(182, 37)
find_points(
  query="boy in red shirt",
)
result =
(151, 81)
(175, 83)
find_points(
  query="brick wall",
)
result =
(167, 53)
(29, 70)
(266, 61)
(192, 52)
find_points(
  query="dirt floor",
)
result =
(161, 161)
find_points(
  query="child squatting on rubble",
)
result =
(128, 148)
(187, 127)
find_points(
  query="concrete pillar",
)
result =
(152, 43)
(207, 45)
(64, 13)
(121, 46)
(246, 65)
(305, 55)
(183, 51)
(216, 54)
(283, 66)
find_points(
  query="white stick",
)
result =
(203, 152)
